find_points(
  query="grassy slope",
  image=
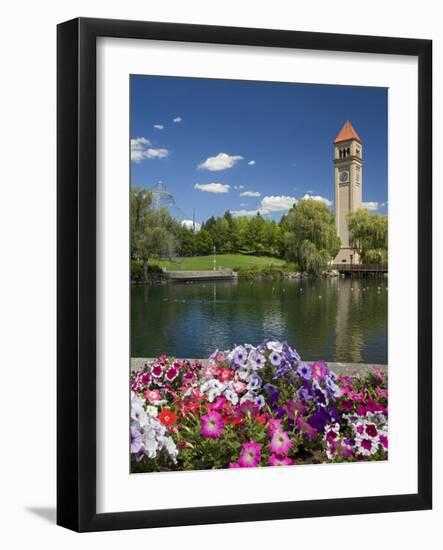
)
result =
(204, 263)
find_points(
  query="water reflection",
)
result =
(336, 320)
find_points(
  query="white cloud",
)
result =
(251, 162)
(241, 186)
(138, 147)
(371, 206)
(222, 161)
(141, 149)
(244, 213)
(189, 224)
(156, 153)
(279, 203)
(213, 187)
(318, 198)
(268, 205)
(177, 119)
(250, 194)
(159, 126)
(243, 204)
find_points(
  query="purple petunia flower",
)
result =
(254, 383)
(136, 440)
(275, 358)
(240, 355)
(272, 392)
(290, 354)
(257, 359)
(304, 371)
(319, 419)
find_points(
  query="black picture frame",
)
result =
(76, 280)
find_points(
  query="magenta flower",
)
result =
(371, 430)
(250, 455)
(145, 378)
(275, 425)
(171, 373)
(212, 425)
(275, 460)
(157, 371)
(280, 443)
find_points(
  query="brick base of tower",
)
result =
(344, 256)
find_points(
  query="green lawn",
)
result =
(205, 263)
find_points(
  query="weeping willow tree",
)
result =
(368, 234)
(310, 235)
(153, 231)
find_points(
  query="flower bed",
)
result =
(252, 407)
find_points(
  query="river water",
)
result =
(341, 320)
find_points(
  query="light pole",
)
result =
(214, 258)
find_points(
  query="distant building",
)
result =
(348, 163)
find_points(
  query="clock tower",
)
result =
(348, 155)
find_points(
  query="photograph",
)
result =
(258, 274)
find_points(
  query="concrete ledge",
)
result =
(178, 276)
(347, 369)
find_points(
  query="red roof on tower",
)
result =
(347, 133)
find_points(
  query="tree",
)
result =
(310, 235)
(368, 234)
(203, 242)
(153, 232)
(187, 242)
(255, 233)
(272, 237)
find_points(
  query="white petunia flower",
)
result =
(152, 411)
(275, 346)
(244, 373)
(231, 396)
(150, 446)
(138, 412)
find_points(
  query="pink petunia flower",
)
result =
(275, 460)
(319, 370)
(210, 371)
(250, 455)
(225, 375)
(218, 403)
(275, 426)
(153, 395)
(212, 425)
(280, 443)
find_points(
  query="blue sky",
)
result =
(212, 141)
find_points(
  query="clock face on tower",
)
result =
(344, 176)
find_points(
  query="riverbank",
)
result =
(347, 369)
(157, 276)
